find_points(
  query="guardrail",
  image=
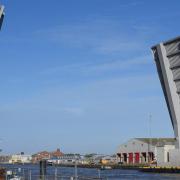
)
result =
(33, 174)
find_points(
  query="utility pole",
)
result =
(75, 169)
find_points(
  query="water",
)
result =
(66, 172)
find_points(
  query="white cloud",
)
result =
(120, 64)
(108, 65)
(100, 35)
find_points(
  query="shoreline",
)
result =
(140, 168)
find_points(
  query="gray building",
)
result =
(167, 58)
(144, 150)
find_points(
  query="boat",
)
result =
(106, 167)
(11, 176)
(16, 178)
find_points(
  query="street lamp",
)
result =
(1, 15)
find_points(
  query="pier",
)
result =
(158, 169)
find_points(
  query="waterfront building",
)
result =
(144, 150)
(40, 156)
(107, 160)
(101, 159)
(167, 59)
(46, 155)
(20, 158)
(70, 159)
(4, 158)
(96, 159)
(90, 158)
(56, 154)
(66, 159)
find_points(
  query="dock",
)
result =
(157, 169)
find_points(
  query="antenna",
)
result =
(150, 138)
(150, 123)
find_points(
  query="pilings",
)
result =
(43, 169)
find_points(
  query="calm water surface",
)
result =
(86, 172)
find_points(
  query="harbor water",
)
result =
(31, 172)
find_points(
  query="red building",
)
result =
(46, 155)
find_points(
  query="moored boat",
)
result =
(106, 167)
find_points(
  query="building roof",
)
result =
(158, 141)
(168, 42)
(56, 153)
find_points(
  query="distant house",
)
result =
(144, 150)
(46, 155)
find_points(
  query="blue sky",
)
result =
(79, 75)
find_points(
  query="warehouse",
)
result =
(144, 150)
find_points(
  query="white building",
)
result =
(144, 150)
(67, 159)
(20, 158)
